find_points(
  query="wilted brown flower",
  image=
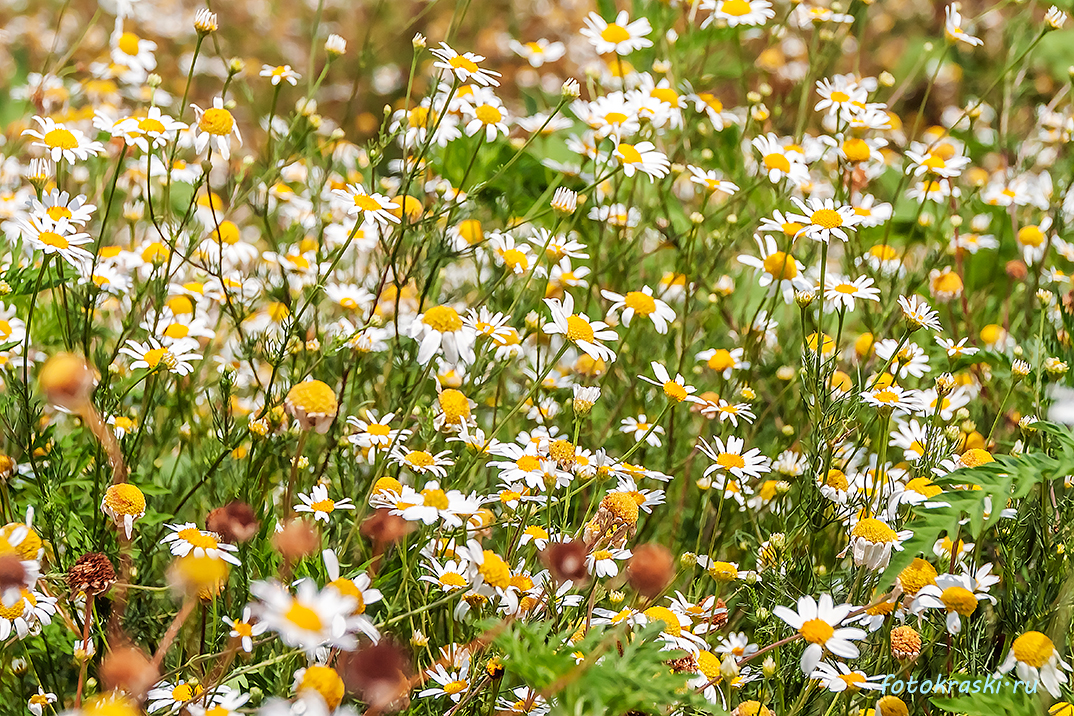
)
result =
(12, 573)
(379, 674)
(91, 574)
(127, 668)
(566, 561)
(651, 569)
(67, 381)
(297, 540)
(382, 527)
(234, 522)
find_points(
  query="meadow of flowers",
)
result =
(554, 358)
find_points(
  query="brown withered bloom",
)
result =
(67, 381)
(129, 669)
(378, 674)
(382, 527)
(566, 561)
(297, 540)
(616, 520)
(905, 643)
(91, 574)
(651, 569)
(12, 574)
(234, 522)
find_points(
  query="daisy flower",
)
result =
(154, 128)
(310, 618)
(578, 329)
(711, 181)
(432, 504)
(188, 539)
(956, 349)
(840, 95)
(953, 27)
(59, 142)
(602, 562)
(26, 616)
(733, 412)
(281, 73)
(56, 237)
(222, 701)
(958, 595)
(172, 697)
(452, 684)
(738, 12)
(124, 503)
(842, 291)
(918, 313)
(642, 303)
(358, 587)
(421, 461)
(642, 157)
(1035, 658)
(840, 677)
(538, 52)
(441, 329)
(724, 361)
(675, 389)
(640, 427)
(321, 505)
(372, 206)
(214, 129)
(822, 219)
(464, 67)
(58, 205)
(777, 163)
(892, 397)
(818, 622)
(39, 701)
(375, 433)
(872, 541)
(621, 37)
(244, 629)
(489, 117)
(729, 457)
(174, 358)
(448, 576)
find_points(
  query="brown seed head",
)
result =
(905, 643)
(651, 569)
(379, 674)
(566, 561)
(91, 574)
(234, 522)
(382, 527)
(297, 540)
(127, 668)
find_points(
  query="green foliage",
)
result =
(622, 672)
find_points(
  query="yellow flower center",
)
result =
(777, 161)
(674, 391)
(873, 530)
(886, 396)
(578, 329)
(313, 397)
(125, 499)
(709, 664)
(59, 212)
(128, 43)
(303, 617)
(959, 599)
(455, 406)
(665, 94)
(487, 114)
(185, 692)
(148, 124)
(60, 138)
(327, 506)
(495, 570)
(853, 680)
(515, 259)
(196, 538)
(736, 8)
(216, 121)
(51, 238)
(455, 687)
(629, 154)
(721, 360)
(856, 150)
(828, 218)
(780, 266)
(176, 330)
(1030, 236)
(458, 62)
(728, 460)
(665, 615)
(435, 498)
(947, 282)
(816, 631)
(1034, 649)
(326, 682)
(614, 33)
(723, 571)
(443, 319)
(916, 576)
(640, 302)
(419, 458)
(622, 506)
(923, 486)
(839, 96)
(975, 457)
